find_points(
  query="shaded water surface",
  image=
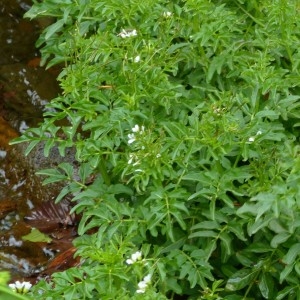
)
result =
(24, 90)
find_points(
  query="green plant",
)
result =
(184, 116)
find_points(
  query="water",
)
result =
(25, 88)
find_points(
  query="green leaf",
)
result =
(53, 175)
(68, 169)
(279, 239)
(4, 277)
(266, 285)
(36, 236)
(259, 224)
(8, 294)
(289, 290)
(285, 273)
(48, 146)
(226, 241)
(54, 28)
(207, 225)
(30, 147)
(292, 254)
(204, 233)
(174, 47)
(241, 279)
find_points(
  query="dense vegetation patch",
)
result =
(184, 116)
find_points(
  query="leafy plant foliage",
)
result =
(185, 117)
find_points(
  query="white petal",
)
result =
(27, 285)
(142, 284)
(131, 137)
(19, 285)
(147, 278)
(136, 128)
(137, 59)
(131, 141)
(136, 256)
(12, 286)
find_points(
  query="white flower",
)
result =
(144, 284)
(147, 278)
(134, 258)
(131, 138)
(127, 33)
(158, 155)
(167, 14)
(137, 59)
(137, 128)
(21, 287)
(252, 138)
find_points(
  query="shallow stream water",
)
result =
(25, 88)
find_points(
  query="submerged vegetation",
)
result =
(184, 117)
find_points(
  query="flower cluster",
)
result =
(143, 284)
(134, 258)
(135, 129)
(21, 287)
(127, 33)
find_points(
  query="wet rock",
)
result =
(24, 92)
